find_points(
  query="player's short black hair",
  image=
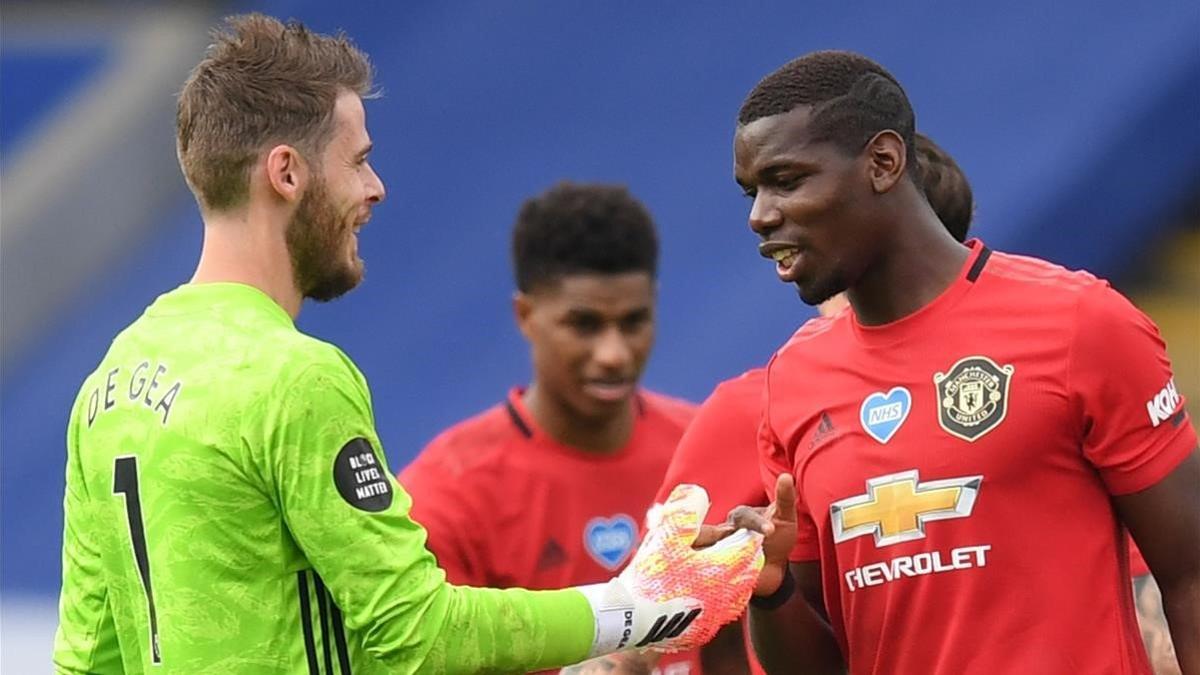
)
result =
(946, 187)
(580, 228)
(852, 98)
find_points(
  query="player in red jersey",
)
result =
(719, 449)
(967, 442)
(550, 487)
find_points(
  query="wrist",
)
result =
(613, 609)
(770, 578)
(782, 592)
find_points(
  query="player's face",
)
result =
(807, 203)
(590, 336)
(323, 234)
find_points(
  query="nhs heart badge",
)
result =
(882, 414)
(610, 540)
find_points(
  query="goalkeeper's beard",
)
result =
(318, 241)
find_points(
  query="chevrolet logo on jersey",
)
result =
(897, 506)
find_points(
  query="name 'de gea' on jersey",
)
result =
(138, 385)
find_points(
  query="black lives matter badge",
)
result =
(972, 397)
(360, 477)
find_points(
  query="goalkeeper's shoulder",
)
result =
(301, 372)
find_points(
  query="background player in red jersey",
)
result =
(1034, 434)
(549, 487)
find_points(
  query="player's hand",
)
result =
(777, 524)
(673, 597)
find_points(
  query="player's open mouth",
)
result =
(786, 257)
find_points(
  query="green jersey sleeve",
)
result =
(350, 519)
(86, 639)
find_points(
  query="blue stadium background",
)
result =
(1076, 122)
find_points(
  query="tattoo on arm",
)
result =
(1155, 633)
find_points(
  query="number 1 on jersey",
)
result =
(125, 482)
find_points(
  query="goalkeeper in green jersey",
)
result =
(228, 509)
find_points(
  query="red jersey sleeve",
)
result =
(718, 450)
(774, 460)
(1133, 423)
(442, 504)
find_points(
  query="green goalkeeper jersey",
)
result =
(228, 510)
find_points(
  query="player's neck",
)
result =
(239, 248)
(919, 262)
(564, 425)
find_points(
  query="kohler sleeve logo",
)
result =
(1163, 404)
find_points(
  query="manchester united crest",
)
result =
(972, 397)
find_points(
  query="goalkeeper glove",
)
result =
(672, 597)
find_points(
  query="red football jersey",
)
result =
(719, 452)
(955, 470)
(719, 449)
(506, 505)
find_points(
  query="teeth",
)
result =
(783, 254)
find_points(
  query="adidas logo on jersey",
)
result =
(825, 430)
(1163, 404)
(552, 555)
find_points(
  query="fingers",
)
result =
(755, 519)
(711, 534)
(738, 539)
(683, 513)
(763, 520)
(785, 498)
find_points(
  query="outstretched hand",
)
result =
(777, 524)
(698, 591)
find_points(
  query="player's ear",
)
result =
(287, 172)
(886, 160)
(522, 311)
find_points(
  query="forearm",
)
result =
(512, 630)
(1156, 634)
(793, 638)
(727, 652)
(442, 628)
(1181, 605)
(411, 619)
